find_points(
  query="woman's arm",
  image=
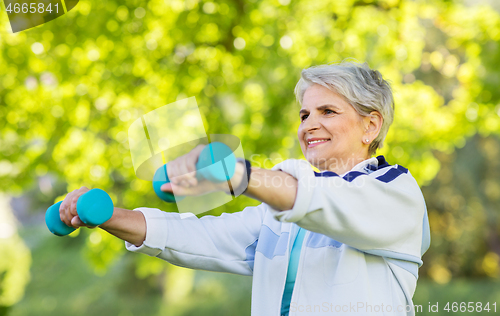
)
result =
(223, 243)
(275, 188)
(382, 213)
(127, 225)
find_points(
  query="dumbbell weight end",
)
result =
(54, 223)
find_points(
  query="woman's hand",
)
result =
(67, 209)
(275, 188)
(182, 175)
(182, 170)
(124, 224)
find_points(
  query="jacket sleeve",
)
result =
(381, 213)
(223, 243)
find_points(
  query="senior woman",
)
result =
(346, 240)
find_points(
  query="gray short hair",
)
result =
(362, 87)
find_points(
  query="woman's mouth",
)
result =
(316, 142)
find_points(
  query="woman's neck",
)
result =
(341, 166)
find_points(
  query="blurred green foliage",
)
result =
(464, 204)
(70, 89)
(15, 258)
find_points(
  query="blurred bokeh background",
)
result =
(69, 90)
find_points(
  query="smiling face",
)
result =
(331, 133)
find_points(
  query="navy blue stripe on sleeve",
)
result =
(325, 174)
(350, 176)
(387, 177)
(392, 174)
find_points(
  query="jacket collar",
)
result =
(366, 166)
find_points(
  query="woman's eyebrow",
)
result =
(320, 108)
(327, 106)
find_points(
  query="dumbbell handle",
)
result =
(216, 163)
(94, 208)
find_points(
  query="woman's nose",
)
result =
(311, 123)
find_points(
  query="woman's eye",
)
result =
(329, 112)
(303, 117)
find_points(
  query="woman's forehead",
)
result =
(316, 96)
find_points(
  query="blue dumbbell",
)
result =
(94, 208)
(216, 163)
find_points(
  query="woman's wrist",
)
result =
(242, 186)
(275, 188)
(236, 180)
(127, 225)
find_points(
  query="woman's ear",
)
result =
(373, 124)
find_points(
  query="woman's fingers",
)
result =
(72, 206)
(182, 171)
(64, 209)
(176, 170)
(73, 211)
(67, 209)
(192, 159)
(77, 222)
(186, 180)
(203, 187)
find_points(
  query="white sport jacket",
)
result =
(367, 231)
